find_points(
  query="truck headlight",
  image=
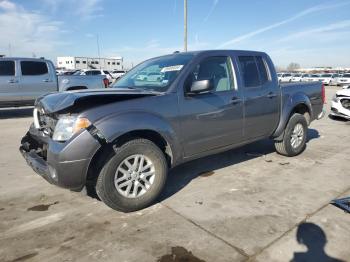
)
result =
(67, 126)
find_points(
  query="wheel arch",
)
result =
(109, 148)
(299, 103)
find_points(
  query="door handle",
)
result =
(236, 100)
(46, 80)
(271, 95)
(12, 81)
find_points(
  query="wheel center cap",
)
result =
(134, 175)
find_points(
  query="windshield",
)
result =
(315, 76)
(346, 76)
(155, 74)
(297, 75)
(326, 75)
(287, 75)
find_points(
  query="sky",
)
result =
(308, 32)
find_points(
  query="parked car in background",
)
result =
(116, 74)
(142, 76)
(344, 81)
(314, 78)
(341, 104)
(285, 77)
(154, 76)
(94, 72)
(297, 77)
(22, 80)
(328, 79)
(122, 141)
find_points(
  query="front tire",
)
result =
(133, 177)
(294, 139)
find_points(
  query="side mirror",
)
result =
(201, 86)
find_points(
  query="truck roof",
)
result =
(23, 58)
(214, 52)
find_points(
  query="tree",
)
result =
(293, 66)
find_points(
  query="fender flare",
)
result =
(289, 106)
(114, 126)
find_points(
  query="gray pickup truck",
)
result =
(123, 140)
(22, 80)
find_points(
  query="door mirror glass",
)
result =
(201, 86)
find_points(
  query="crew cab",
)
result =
(122, 141)
(22, 80)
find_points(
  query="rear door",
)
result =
(36, 79)
(261, 97)
(9, 88)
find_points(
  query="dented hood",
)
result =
(79, 100)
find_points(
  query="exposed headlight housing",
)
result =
(67, 126)
(335, 99)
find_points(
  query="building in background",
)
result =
(80, 62)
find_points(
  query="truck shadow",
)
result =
(183, 174)
(7, 113)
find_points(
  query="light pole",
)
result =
(185, 25)
(98, 50)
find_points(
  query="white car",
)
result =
(296, 78)
(97, 72)
(116, 74)
(313, 78)
(341, 104)
(344, 81)
(284, 77)
(142, 76)
(328, 79)
(154, 76)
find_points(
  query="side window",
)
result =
(33, 68)
(216, 69)
(263, 70)
(7, 68)
(249, 71)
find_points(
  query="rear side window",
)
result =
(33, 68)
(249, 71)
(263, 71)
(7, 68)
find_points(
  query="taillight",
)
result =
(323, 94)
(106, 82)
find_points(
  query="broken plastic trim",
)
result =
(342, 203)
(96, 134)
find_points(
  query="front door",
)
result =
(211, 119)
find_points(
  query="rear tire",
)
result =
(294, 139)
(137, 193)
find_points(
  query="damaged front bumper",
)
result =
(338, 110)
(62, 164)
